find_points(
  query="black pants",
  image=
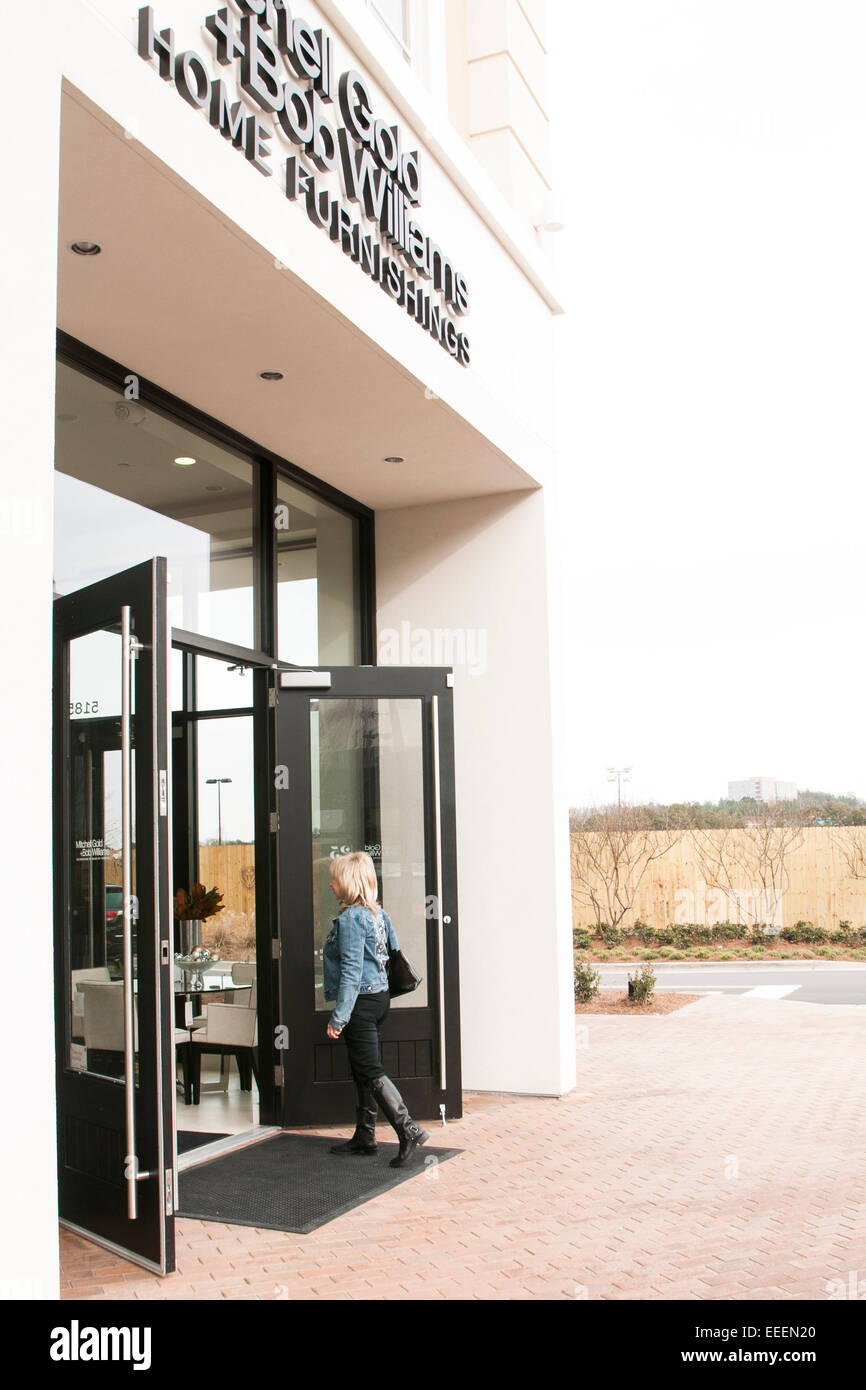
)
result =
(361, 1035)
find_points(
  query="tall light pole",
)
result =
(619, 775)
(219, 782)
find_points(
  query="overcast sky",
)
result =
(711, 176)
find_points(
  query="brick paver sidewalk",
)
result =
(713, 1153)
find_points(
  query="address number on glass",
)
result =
(83, 707)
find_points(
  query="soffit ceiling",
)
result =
(181, 297)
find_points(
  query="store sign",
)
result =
(285, 69)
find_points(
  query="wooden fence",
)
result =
(230, 868)
(818, 887)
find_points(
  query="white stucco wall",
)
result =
(486, 568)
(28, 1169)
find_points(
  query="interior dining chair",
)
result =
(230, 1032)
(103, 1025)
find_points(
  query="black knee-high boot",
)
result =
(394, 1109)
(363, 1141)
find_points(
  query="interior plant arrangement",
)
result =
(197, 906)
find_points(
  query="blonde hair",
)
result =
(355, 877)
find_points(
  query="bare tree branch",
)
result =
(749, 863)
(611, 851)
(849, 841)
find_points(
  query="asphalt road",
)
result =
(807, 982)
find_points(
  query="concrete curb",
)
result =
(793, 964)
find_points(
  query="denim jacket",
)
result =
(355, 957)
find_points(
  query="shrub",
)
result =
(846, 937)
(757, 934)
(701, 953)
(730, 931)
(804, 934)
(701, 935)
(586, 982)
(611, 936)
(683, 937)
(581, 939)
(642, 983)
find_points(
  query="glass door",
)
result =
(365, 761)
(113, 922)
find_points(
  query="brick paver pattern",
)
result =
(713, 1153)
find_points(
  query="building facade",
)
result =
(762, 789)
(279, 385)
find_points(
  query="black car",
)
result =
(114, 924)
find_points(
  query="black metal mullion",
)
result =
(230, 712)
(264, 558)
(366, 572)
(267, 920)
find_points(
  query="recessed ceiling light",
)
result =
(85, 248)
(271, 376)
(394, 458)
(183, 462)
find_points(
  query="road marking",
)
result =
(770, 991)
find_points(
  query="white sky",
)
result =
(712, 183)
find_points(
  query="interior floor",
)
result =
(225, 1111)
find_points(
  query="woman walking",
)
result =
(355, 960)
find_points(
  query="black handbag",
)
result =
(402, 976)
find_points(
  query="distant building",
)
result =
(762, 789)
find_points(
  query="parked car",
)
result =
(114, 924)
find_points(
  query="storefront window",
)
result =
(317, 564)
(130, 484)
(133, 481)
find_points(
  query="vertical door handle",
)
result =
(130, 1162)
(441, 919)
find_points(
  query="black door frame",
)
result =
(93, 1164)
(302, 1103)
(267, 980)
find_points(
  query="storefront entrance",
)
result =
(343, 758)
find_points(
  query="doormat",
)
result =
(293, 1183)
(194, 1138)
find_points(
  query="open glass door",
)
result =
(365, 761)
(113, 920)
